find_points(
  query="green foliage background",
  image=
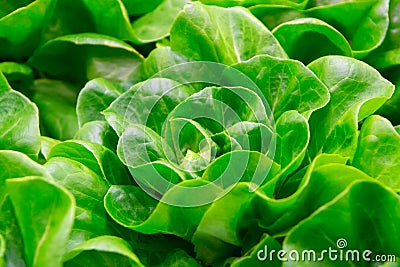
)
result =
(69, 104)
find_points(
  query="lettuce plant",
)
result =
(199, 133)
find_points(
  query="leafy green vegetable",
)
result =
(152, 99)
(315, 189)
(19, 76)
(387, 54)
(148, 218)
(321, 38)
(19, 121)
(274, 15)
(88, 189)
(159, 59)
(180, 258)
(56, 101)
(82, 57)
(229, 3)
(14, 165)
(357, 91)
(108, 18)
(220, 228)
(95, 97)
(94, 156)
(299, 88)
(20, 31)
(9, 7)
(155, 25)
(137, 7)
(47, 144)
(390, 109)
(99, 132)
(379, 161)
(51, 208)
(363, 23)
(107, 250)
(199, 133)
(359, 19)
(292, 140)
(336, 221)
(222, 35)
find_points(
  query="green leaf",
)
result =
(160, 59)
(221, 35)
(89, 190)
(391, 108)
(99, 159)
(86, 56)
(8, 7)
(223, 224)
(248, 3)
(388, 54)
(56, 101)
(51, 208)
(99, 132)
(221, 227)
(104, 251)
(142, 150)
(156, 24)
(179, 258)
(129, 205)
(13, 247)
(218, 108)
(274, 15)
(14, 165)
(139, 145)
(133, 208)
(377, 151)
(20, 31)
(47, 144)
(154, 250)
(95, 97)
(19, 76)
(249, 136)
(325, 178)
(2, 250)
(191, 145)
(138, 7)
(357, 90)
(386, 59)
(157, 177)
(226, 143)
(108, 17)
(360, 204)
(363, 23)
(153, 99)
(308, 39)
(4, 85)
(293, 136)
(17, 165)
(286, 84)
(19, 121)
(241, 165)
